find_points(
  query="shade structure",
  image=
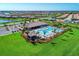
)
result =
(34, 24)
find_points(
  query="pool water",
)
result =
(48, 31)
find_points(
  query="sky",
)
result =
(39, 6)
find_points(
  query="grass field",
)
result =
(65, 45)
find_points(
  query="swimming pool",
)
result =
(47, 31)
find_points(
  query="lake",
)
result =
(5, 21)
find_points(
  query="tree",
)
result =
(6, 26)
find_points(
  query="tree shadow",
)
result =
(70, 30)
(53, 43)
(66, 35)
(71, 33)
(63, 40)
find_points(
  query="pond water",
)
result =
(5, 21)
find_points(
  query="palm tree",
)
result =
(24, 27)
(6, 26)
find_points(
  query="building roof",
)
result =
(33, 24)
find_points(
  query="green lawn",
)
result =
(66, 44)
